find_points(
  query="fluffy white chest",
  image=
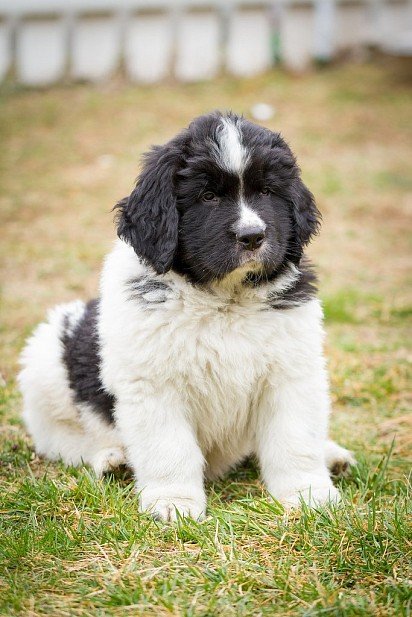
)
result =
(218, 364)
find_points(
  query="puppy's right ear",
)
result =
(148, 219)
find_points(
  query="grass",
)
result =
(74, 546)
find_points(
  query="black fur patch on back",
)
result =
(82, 359)
(300, 292)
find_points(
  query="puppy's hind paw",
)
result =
(108, 460)
(338, 460)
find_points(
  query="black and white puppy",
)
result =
(205, 345)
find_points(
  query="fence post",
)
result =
(95, 46)
(148, 45)
(41, 52)
(197, 44)
(324, 30)
(248, 54)
(396, 19)
(5, 47)
(351, 25)
(296, 34)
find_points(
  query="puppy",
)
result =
(205, 345)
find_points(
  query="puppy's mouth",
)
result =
(255, 256)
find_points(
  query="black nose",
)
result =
(251, 238)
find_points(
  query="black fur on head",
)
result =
(197, 191)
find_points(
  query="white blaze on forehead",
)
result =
(233, 156)
(232, 153)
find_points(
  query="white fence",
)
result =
(48, 41)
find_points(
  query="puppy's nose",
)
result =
(251, 238)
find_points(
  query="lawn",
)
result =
(74, 546)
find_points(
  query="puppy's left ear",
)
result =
(306, 217)
(148, 218)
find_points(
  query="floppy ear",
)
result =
(306, 218)
(148, 218)
(306, 214)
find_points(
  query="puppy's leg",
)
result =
(163, 452)
(108, 459)
(291, 437)
(339, 460)
(103, 448)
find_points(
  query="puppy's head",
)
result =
(224, 195)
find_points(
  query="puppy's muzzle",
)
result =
(251, 238)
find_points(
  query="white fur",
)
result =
(248, 218)
(286, 280)
(338, 460)
(201, 381)
(232, 154)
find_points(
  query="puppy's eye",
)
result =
(209, 196)
(265, 190)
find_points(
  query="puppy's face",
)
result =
(223, 196)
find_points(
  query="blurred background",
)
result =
(48, 41)
(87, 86)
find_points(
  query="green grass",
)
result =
(71, 545)
(74, 545)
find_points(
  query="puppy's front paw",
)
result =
(311, 489)
(312, 496)
(170, 508)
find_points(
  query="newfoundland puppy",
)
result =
(205, 344)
